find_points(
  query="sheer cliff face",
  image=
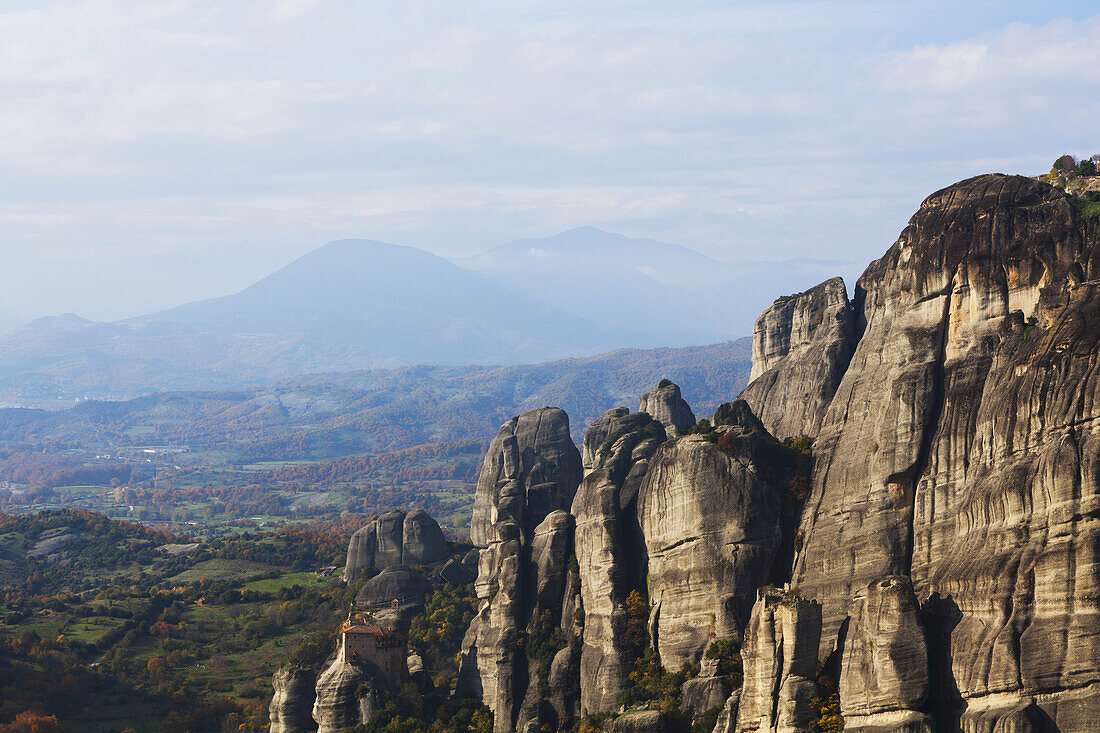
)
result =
(292, 704)
(960, 447)
(800, 349)
(527, 484)
(711, 528)
(609, 549)
(531, 469)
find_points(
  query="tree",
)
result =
(1086, 168)
(1065, 164)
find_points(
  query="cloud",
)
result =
(290, 9)
(264, 127)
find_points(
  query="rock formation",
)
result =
(347, 695)
(396, 583)
(396, 538)
(531, 469)
(609, 548)
(884, 663)
(292, 704)
(668, 408)
(942, 569)
(800, 349)
(528, 480)
(960, 449)
(711, 529)
(780, 653)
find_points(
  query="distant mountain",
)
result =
(357, 304)
(328, 415)
(673, 295)
(351, 304)
(390, 304)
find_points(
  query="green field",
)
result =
(221, 569)
(270, 585)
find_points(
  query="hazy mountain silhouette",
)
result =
(395, 304)
(673, 295)
(359, 304)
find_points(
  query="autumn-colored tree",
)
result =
(32, 722)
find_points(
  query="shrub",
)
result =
(728, 654)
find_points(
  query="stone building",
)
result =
(364, 639)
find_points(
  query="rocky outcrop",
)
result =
(959, 449)
(668, 408)
(610, 550)
(884, 663)
(801, 347)
(780, 657)
(598, 432)
(643, 721)
(711, 529)
(531, 468)
(398, 583)
(523, 574)
(347, 695)
(727, 717)
(950, 536)
(396, 538)
(291, 706)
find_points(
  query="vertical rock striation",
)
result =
(884, 663)
(711, 529)
(528, 480)
(801, 347)
(959, 449)
(292, 704)
(667, 407)
(610, 551)
(780, 653)
(395, 538)
(530, 469)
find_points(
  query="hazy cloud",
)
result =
(144, 134)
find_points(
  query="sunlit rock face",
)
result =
(524, 583)
(395, 538)
(711, 529)
(780, 653)
(531, 468)
(667, 407)
(884, 663)
(800, 349)
(961, 446)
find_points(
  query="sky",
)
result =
(156, 153)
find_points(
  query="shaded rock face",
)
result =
(610, 550)
(727, 717)
(884, 662)
(291, 706)
(711, 526)
(396, 538)
(960, 450)
(780, 657)
(396, 583)
(516, 585)
(531, 468)
(668, 408)
(801, 347)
